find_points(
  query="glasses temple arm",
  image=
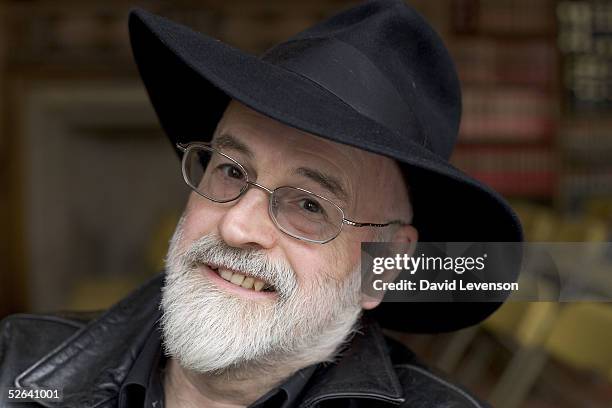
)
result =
(371, 224)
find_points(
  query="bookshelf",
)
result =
(585, 139)
(508, 62)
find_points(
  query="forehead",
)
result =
(256, 130)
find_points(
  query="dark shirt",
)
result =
(143, 385)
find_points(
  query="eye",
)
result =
(311, 206)
(232, 171)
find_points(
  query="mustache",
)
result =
(212, 250)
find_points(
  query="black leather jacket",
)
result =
(89, 358)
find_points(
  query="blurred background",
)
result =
(82, 222)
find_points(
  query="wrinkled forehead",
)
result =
(259, 131)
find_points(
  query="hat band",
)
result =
(345, 72)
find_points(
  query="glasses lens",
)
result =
(305, 215)
(213, 175)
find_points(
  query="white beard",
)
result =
(209, 330)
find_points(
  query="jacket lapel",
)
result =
(364, 371)
(91, 365)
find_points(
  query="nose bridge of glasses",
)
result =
(266, 189)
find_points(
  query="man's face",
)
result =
(212, 324)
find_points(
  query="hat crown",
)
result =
(385, 61)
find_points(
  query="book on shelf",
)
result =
(586, 142)
(506, 114)
(504, 17)
(510, 170)
(484, 60)
(585, 42)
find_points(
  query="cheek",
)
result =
(351, 244)
(201, 218)
(316, 265)
(351, 253)
(354, 252)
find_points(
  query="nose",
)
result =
(247, 223)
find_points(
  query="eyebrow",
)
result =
(327, 181)
(227, 141)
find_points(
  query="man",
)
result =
(339, 136)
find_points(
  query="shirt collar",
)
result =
(144, 380)
(291, 388)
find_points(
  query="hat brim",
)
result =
(191, 77)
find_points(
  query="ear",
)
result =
(404, 240)
(406, 234)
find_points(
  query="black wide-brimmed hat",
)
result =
(376, 77)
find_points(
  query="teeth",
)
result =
(258, 285)
(248, 283)
(227, 275)
(239, 279)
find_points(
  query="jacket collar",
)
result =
(106, 348)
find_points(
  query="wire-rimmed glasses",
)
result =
(297, 212)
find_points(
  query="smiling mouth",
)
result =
(242, 280)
